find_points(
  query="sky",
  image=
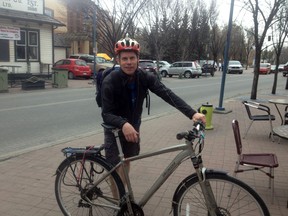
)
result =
(240, 16)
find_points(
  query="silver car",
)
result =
(235, 67)
(187, 69)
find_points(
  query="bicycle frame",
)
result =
(194, 183)
(186, 152)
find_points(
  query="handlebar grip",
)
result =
(181, 135)
(199, 125)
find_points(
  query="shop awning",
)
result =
(31, 17)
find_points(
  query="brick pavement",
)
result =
(27, 181)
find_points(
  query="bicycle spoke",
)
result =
(76, 193)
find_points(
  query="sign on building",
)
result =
(30, 6)
(9, 33)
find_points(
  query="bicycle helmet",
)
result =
(127, 44)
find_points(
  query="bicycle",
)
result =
(86, 184)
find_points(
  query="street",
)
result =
(42, 118)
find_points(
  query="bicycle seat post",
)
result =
(116, 134)
(123, 165)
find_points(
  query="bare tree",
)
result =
(263, 16)
(216, 38)
(249, 45)
(279, 35)
(118, 20)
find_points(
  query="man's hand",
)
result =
(199, 117)
(131, 135)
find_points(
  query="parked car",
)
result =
(265, 68)
(101, 63)
(148, 65)
(235, 66)
(281, 67)
(285, 69)
(208, 69)
(75, 67)
(188, 69)
(162, 64)
(273, 68)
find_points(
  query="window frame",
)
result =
(31, 44)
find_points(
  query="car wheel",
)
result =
(70, 75)
(187, 74)
(164, 73)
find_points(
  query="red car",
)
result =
(265, 68)
(75, 67)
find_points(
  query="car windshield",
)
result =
(80, 63)
(234, 63)
(100, 59)
(263, 65)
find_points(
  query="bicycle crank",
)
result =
(137, 210)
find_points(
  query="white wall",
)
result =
(45, 43)
(60, 53)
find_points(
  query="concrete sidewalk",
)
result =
(27, 181)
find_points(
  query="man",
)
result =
(123, 93)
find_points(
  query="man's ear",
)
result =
(117, 59)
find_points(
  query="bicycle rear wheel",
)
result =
(233, 197)
(76, 176)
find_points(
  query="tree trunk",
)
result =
(275, 75)
(256, 74)
(255, 84)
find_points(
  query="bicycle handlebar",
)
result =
(190, 135)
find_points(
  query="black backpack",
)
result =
(99, 79)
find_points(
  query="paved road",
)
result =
(40, 118)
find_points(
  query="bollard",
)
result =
(207, 110)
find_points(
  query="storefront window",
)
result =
(28, 46)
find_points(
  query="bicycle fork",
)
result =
(209, 197)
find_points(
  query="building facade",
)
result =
(26, 36)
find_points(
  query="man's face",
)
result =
(128, 62)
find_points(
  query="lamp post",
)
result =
(94, 45)
(220, 108)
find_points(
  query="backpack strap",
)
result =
(147, 98)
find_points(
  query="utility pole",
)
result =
(94, 45)
(226, 51)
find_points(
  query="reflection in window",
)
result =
(28, 46)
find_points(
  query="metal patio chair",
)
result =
(249, 105)
(254, 161)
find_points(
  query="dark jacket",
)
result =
(116, 105)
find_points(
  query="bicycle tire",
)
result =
(243, 200)
(68, 191)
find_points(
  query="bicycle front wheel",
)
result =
(233, 198)
(75, 188)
